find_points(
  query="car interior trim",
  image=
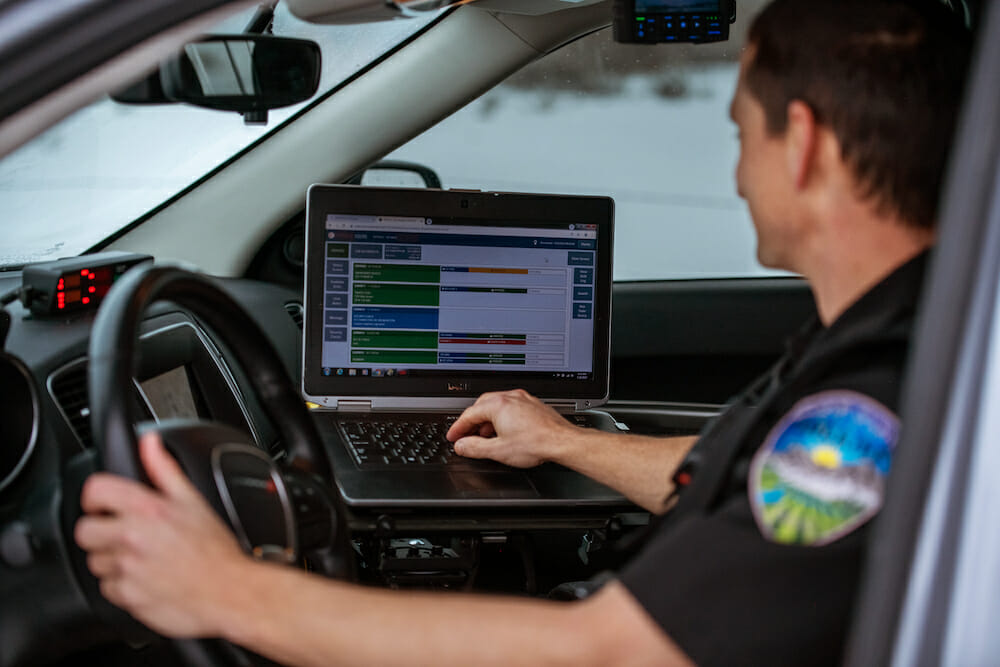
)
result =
(212, 352)
(29, 445)
(50, 381)
(220, 363)
(904, 594)
(972, 640)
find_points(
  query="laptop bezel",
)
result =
(426, 393)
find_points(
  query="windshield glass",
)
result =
(109, 163)
(647, 125)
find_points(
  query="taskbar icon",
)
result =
(347, 372)
(389, 372)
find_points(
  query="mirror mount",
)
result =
(254, 117)
(262, 22)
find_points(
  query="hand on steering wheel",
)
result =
(222, 464)
(161, 553)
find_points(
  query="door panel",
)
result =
(700, 341)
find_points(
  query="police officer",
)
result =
(845, 110)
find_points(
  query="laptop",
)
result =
(417, 301)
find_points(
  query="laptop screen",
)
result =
(431, 293)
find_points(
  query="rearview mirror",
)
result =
(244, 73)
(397, 174)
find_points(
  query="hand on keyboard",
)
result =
(394, 441)
(512, 427)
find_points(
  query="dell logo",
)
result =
(458, 386)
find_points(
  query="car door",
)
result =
(930, 594)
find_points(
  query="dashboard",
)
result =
(46, 447)
(182, 371)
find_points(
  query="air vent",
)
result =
(294, 309)
(69, 388)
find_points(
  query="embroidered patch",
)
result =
(820, 474)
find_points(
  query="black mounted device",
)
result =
(673, 21)
(74, 284)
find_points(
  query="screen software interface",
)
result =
(420, 296)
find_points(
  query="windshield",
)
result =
(647, 125)
(109, 163)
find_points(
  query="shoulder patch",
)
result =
(820, 474)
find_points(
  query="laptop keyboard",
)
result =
(407, 441)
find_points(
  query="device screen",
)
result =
(411, 295)
(673, 21)
(170, 395)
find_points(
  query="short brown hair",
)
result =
(885, 75)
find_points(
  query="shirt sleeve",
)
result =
(727, 596)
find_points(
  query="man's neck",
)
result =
(856, 258)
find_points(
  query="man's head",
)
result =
(882, 77)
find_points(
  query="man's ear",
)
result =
(801, 138)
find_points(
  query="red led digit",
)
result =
(86, 300)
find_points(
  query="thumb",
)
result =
(163, 470)
(475, 447)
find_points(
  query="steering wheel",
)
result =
(277, 512)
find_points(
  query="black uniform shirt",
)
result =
(723, 590)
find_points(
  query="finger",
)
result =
(162, 468)
(110, 494)
(476, 447)
(93, 533)
(103, 564)
(467, 424)
(487, 430)
(111, 589)
(480, 412)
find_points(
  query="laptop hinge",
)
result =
(353, 406)
(562, 406)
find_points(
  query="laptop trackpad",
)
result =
(492, 485)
